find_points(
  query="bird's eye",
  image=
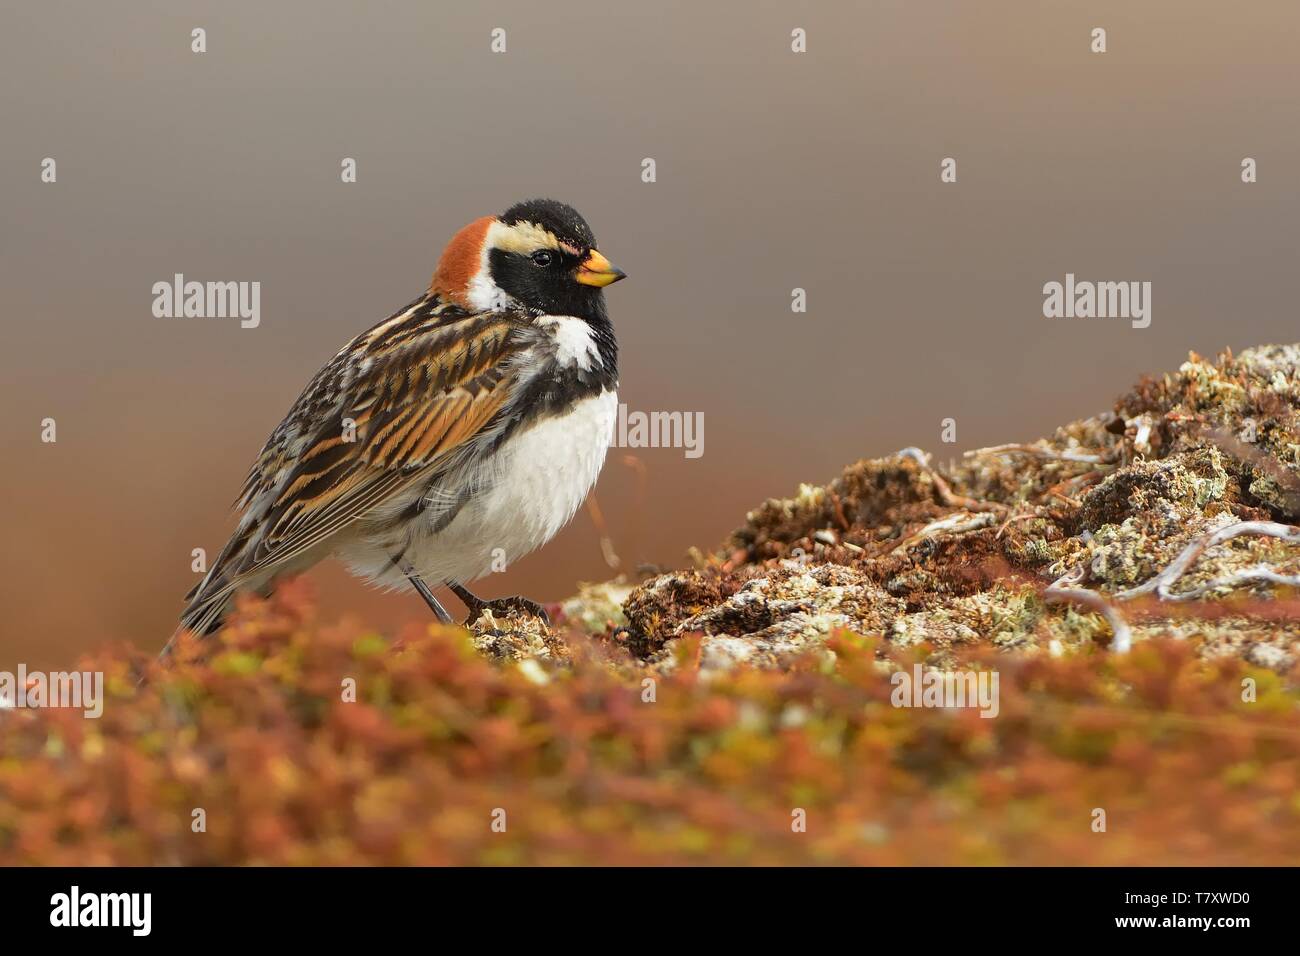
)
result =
(543, 257)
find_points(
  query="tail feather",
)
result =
(210, 600)
(200, 619)
(207, 602)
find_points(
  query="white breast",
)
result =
(531, 488)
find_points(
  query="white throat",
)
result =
(483, 294)
(575, 344)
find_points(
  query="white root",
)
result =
(1244, 576)
(1062, 589)
(1040, 453)
(956, 523)
(1178, 567)
(1065, 587)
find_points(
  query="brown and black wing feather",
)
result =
(378, 418)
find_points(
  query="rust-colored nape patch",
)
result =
(460, 261)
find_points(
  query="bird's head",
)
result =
(538, 255)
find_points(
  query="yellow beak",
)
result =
(598, 271)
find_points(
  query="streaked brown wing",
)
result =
(379, 418)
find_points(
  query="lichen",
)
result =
(516, 636)
(598, 606)
(939, 557)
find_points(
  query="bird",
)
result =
(460, 433)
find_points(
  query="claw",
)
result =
(504, 606)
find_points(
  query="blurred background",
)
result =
(775, 170)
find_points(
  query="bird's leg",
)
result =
(423, 590)
(505, 605)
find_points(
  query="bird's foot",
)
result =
(502, 606)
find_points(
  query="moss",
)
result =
(598, 607)
(516, 636)
(941, 557)
(588, 769)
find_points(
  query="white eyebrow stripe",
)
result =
(522, 237)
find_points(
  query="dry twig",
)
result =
(1161, 583)
(1040, 453)
(1064, 589)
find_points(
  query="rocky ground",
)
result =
(630, 733)
(1171, 514)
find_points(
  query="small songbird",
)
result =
(462, 431)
